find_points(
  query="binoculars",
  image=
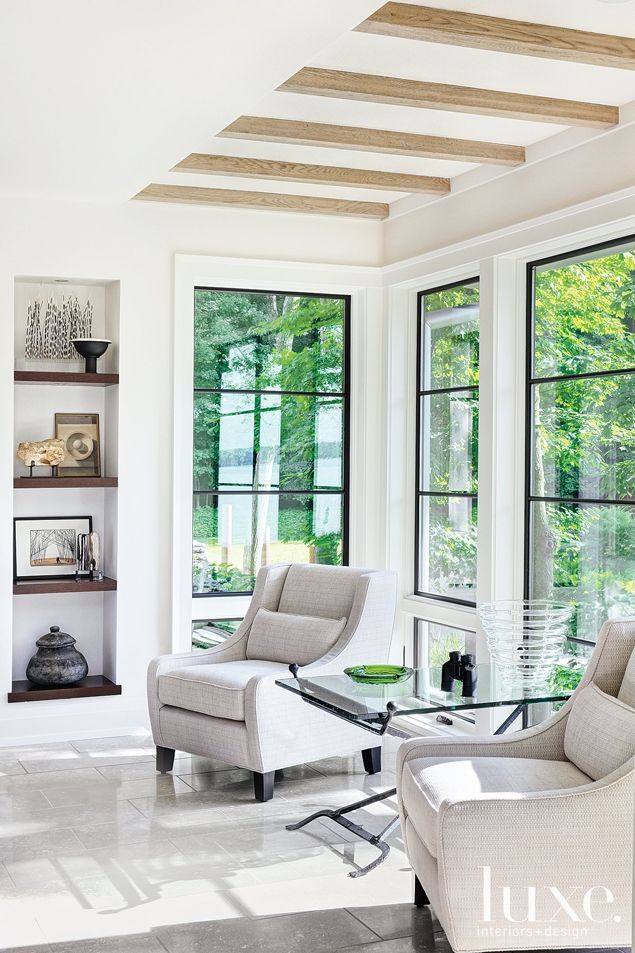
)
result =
(459, 668)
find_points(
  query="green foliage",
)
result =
(452, 548)
(205, 523)
(567, 675)
(584, 438)
(221, 577)
(442, 641)
(451, 298)
(294, 524)
(584, 316)
(565, 678)
(453, 434)
(452, 352)
(264, 342)
(328, 549)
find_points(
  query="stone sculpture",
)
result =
(41, 453)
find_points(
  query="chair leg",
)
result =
(421, 897)
(372, 760)
(165, 759)
(263, 785)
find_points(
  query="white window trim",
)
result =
(367, 441)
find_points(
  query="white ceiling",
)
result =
(101, 98)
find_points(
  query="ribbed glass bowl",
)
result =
(525, 638)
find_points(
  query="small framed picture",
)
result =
(80, 433)
(46, 546)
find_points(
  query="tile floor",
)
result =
(98, 854)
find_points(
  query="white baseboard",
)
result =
(104, 721)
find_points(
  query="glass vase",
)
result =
(89, 555)
(525, 638)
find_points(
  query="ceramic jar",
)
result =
(57, 661)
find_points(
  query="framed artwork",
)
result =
(45, 547)
(51, 325)
(80, 433)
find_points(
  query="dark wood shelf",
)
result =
(62, 483)
(25, 691)
(65, 377)
(32, 587)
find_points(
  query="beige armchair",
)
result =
(526, 840)
(223, 703)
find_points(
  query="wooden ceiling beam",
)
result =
(309, 204)
(475, 30)
(363, 87)
(246, 167)
(372, 140)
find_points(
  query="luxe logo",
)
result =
(519, 904)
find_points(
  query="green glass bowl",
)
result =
(378, 674)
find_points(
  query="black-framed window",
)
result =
(447, 442)
(580, 511)
(433, 642)
(271, 433)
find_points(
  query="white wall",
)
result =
(134, 244)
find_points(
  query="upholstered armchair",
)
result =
(223, 703)
(526, 840)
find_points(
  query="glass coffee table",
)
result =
(374, 707)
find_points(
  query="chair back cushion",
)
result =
(600, 732)
(626, 693)
(287, 637)
(324, 591)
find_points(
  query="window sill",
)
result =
(434, 610)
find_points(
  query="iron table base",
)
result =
(379, 840)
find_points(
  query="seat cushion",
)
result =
(286, 637)
(626, 693)
(216, 690)
(427, 782)
(600, 732)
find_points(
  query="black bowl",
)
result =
(91, 349)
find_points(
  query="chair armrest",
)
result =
(229, 651)
(169, 663)
(283, 729)
(575, 839)
(545, 741)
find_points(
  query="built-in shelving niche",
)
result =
(42, 388)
